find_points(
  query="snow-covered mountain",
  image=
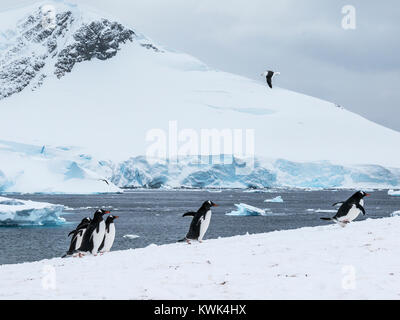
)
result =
(89, 82)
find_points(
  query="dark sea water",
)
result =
(156, 217)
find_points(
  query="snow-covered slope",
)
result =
(358, 262)
(97, 84)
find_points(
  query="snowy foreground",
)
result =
(358, 262)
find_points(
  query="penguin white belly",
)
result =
(79, 239)
(352, 215)
(98, 237)
(109, 238)
(204, 224)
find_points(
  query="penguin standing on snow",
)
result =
(77, 236)
(350, 209)
(200, 223)
(109, 235)
(94, 234)
(269, 75)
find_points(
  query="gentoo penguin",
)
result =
(94, 234)
(350, 209)
(109, 235)
(201, 221)
(77, 236)
(269, 75)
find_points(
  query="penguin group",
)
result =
(93, 235)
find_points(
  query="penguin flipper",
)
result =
(189, 214)
(337, 203)
(360, 207)
(71, 233)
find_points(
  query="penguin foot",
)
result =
(188, 241)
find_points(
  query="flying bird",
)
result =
(269, 75)
(104, 180)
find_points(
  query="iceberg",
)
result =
(275, 200)
(29, 213)
(131, 236)
(394, 193)
(247, 210)
(321, 211)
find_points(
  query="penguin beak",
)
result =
(215, 205)
(368, 194)
(116, 217)
(107, 212)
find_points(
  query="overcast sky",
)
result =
(303, 39)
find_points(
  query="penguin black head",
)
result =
(100, 213)
(208, 204)
(86, 220)
(361, 194)
(111, 219)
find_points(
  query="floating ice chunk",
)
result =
(275, 200)
(29, 213)
(214, 191)
(396, 214)
(131, 236)
(247, 210)
(321, 211)
(394, 193)
(256, 191)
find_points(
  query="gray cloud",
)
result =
(359, 69)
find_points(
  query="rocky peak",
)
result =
(43, 45)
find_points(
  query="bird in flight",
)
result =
(269, 75)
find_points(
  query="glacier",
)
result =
(45, 169)
(189, 172)
(48, 169)
(29, 213)
(246, 210)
